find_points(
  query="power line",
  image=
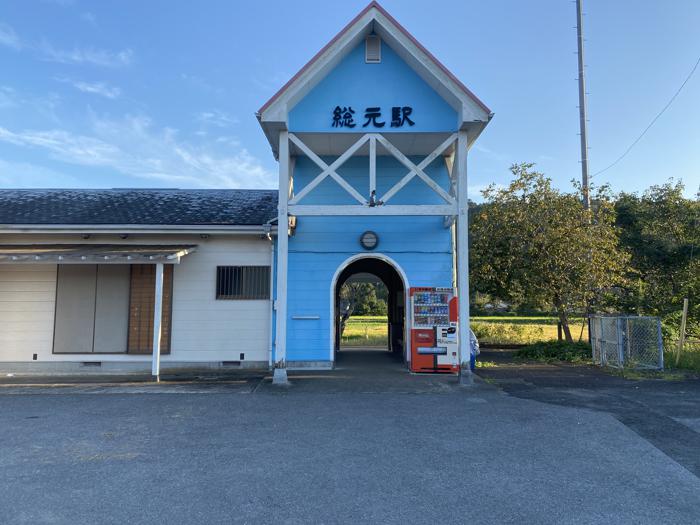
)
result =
(653, 121)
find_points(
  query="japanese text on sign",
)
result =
(344, 117)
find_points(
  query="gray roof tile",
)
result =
(138, 207)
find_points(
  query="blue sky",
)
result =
(163, 93)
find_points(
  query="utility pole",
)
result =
(582, 106)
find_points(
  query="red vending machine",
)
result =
(434, 341)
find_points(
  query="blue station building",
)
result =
(371, 137)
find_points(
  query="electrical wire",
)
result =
(668, 104)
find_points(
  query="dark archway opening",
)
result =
(367, 270)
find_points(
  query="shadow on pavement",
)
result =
(664, 412)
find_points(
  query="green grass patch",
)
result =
(522, 330)
(370, 330)
(366, 330)
(689, 358)
(638, 375)
(552, 351)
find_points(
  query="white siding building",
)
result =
(79, 296)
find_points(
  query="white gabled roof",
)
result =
(474, 114)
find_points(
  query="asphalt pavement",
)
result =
(365, 443)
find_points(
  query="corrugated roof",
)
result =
(161, 207)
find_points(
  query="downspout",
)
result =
(268, 233)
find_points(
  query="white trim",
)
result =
(372, 164)
(460, 165)
(272, 301)
(328, 170)
(407, 287)
(374, 20)
(280, 371)
(355, 209)
(157, 317)
(417, 170)
(127, 228)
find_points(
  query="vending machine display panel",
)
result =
(434, 340)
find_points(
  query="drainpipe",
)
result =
(268, 233)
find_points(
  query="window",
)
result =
(141, 305)
(243, 282)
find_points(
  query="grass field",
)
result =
(372, 330)
(689, 359)
(522, 330)
(366, 330)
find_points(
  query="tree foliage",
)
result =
(534, 244)
(661, 230)
(362, 299)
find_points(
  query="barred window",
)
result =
(242, 282)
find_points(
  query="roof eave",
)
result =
(137, 228)
(272, 115)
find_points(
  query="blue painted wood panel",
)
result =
(420, 246)
(360, 85)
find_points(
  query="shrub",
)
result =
(550, 351)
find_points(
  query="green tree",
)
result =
(531, 243)
(661, 230)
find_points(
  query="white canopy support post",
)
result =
(372, 165)
(460, 171)
(157, 316)
(279, 373)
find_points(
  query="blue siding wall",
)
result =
(359, 85)
(420, 246)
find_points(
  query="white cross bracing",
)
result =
(363, 208)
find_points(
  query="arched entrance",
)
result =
(364, 268)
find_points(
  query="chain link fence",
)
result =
(627, 341)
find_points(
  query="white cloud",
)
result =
(90, 56)
(216, 118)
(64, 146)
(134, 147)
(9, 38)
(201, 84)
(95, 88)
(77, 55)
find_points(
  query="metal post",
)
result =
(620, 342)
(460, 164)
(659, 337)
(157, 316)
(681, 338)
(279, 373)
(583, 113)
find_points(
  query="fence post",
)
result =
(589, 329)
(681, 338)
(661, 344)
(620, 343)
